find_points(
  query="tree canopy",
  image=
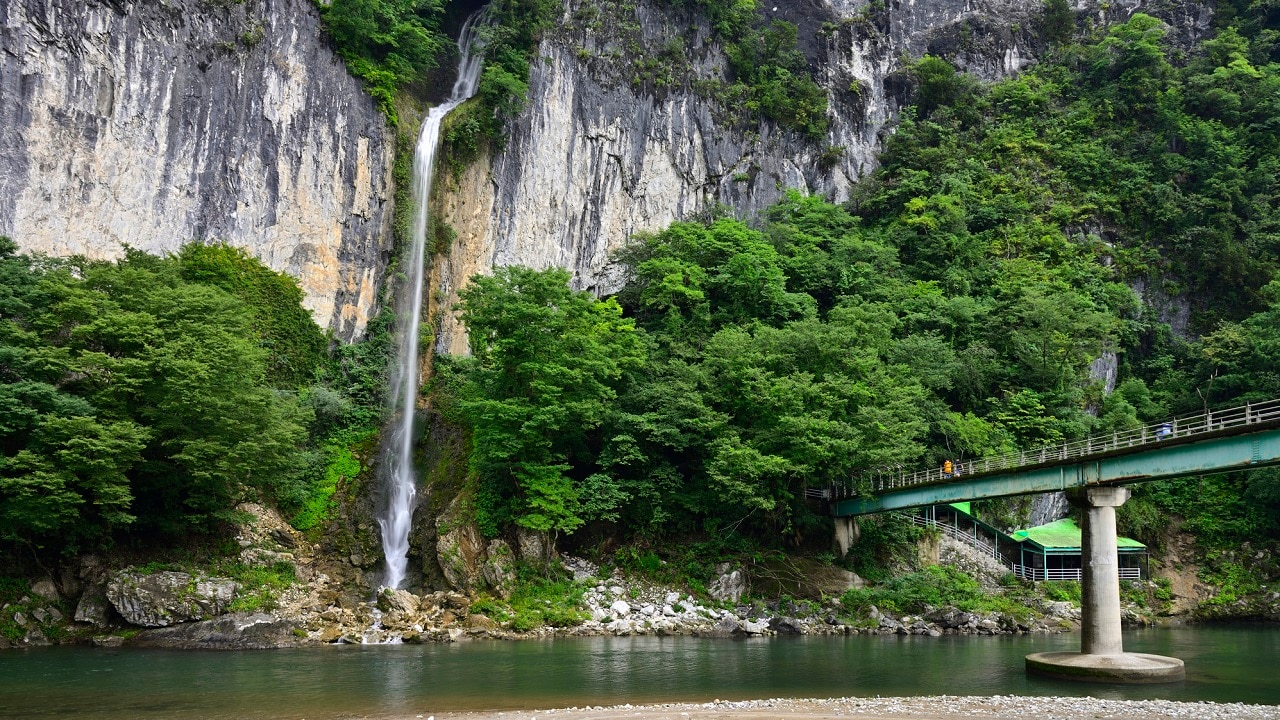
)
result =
(140, 394)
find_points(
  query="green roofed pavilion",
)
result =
(1052, 552)
(1065, 535)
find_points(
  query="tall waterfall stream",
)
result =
(401, 481)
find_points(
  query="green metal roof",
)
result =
(1064, 535)
(964, 507)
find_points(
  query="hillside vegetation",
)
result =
(142, 400)
(951, 309)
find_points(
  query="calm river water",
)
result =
(1225, 664)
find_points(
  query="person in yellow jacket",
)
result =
(946, 469)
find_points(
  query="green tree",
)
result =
(546, 365)
(132, 397)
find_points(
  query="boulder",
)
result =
(480, 622)
(787, 626)
(46, 589)
(620, 608)
(164, 598)
(499, 568)
(730, 586)
(459, 548)
(728, 626)
(401, 601)
(235, 631)
(35, 638)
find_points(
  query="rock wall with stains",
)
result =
(151, 123)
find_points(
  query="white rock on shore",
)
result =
(945, 707)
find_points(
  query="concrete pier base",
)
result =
(1122, 668)
(847, 533)
(1102, 657)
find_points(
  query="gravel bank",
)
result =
(1004, 707)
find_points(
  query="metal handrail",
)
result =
(978, 544)
(1026, 572)
(1178, 429)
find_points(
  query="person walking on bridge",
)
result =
(946, 469)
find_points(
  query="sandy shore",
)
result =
(1006, 707)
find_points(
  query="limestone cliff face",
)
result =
(154, 122)
(604, 150)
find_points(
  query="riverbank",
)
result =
(945, 707)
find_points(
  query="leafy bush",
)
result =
(1062, 590)
(537, 601)
(933, 588)
(258, 587)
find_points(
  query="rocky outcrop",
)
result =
(603, 151)
(471, 564)
(234, 631)
(167, 597)
(730, 584)
(460, 549)
(148, 124)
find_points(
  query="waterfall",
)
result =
(401, 482)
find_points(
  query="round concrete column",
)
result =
(1100, 573)
(1102, 656)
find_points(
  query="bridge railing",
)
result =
(1178, 429)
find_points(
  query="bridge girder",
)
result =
(1244, 451)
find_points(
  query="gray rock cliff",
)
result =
(154, 122)
(603, 151)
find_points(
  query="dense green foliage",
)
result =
(387, 43)
(768, 75)
(542, 375)
(953, 307)
(147, 397)
(295, 345)
(131, 395)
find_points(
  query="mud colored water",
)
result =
(1224, 664)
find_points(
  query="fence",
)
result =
(1180, 429)
(1025, 572)
(1037, 574)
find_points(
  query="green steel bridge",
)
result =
(1238, 438)
(1094, 472)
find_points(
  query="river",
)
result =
(1224, 664)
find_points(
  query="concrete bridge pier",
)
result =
(847, 533)
(1102, 656)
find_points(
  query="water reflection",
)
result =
(1223, 664)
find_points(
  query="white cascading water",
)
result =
(402, 483)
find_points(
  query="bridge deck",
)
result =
(1216, 441)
